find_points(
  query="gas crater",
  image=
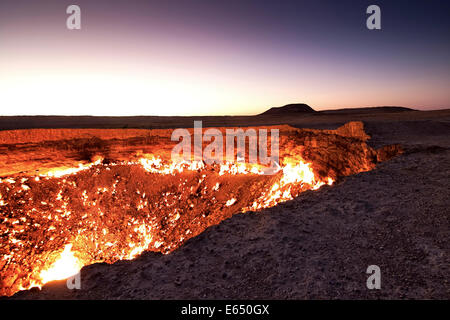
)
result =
(74, 197)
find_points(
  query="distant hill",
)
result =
(384, 109)
(293, 108)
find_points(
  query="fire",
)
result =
(300, 174)
(144, 232)
(65, 266)
(57, 173)
(148, 239)
(294, 173)
(230, 202)
(135, 201)
(156, 165)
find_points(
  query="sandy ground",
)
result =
(318, 245)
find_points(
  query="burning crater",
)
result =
(74, 197)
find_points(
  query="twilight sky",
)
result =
(210, 57)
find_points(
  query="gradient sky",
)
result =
(195, 57)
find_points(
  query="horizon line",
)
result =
(224, 115)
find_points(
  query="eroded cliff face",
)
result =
(38, 151)
(86, 196)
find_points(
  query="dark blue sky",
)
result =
(221, 57)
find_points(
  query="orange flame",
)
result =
(288, 179)
(65, 266)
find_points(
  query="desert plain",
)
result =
(315, 246)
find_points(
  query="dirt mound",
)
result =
(294, 108)
(368, 110)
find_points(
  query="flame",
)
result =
(57, 173)
(65, 266)
(299, 174)
(302, 172)
(156, 165)
(293, 177)
(230, 202)
(145, 231)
